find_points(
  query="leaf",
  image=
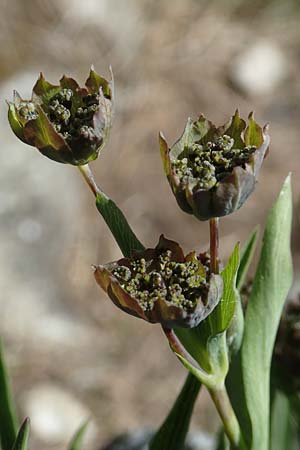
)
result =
(172, 433)
(118, 225)
(8, 419)
(280, 433)
(222, 441)
(207, 342)
(246, 258)
(221, 317)
(76, 442)
(270, 288)
(21, 442)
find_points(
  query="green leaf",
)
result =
(172, 433)
(207, 342)
(270, 288)
(8, 419)
(281, 436)
(222, 441)
(76, 442)
(221, 317)
(118, 225)
(246, 258)
(21, 442)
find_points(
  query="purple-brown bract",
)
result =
(67, 123)
(213, 170)
(161, 285)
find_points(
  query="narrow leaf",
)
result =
(270, 288)
(222, 315)
(280, 433)
(118, 225)
(76, 442)
(246, 258)
(8, 419)
(21, 442)
(222, 441)
(172, 433)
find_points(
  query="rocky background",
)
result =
(71, 353)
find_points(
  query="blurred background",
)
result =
(71, 353)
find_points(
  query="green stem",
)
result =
(214, 245)
(225, 410)
(90, 180)
(177, 346)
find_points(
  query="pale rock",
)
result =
(259, 68)
(55, 414)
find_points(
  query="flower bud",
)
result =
(212, 171)
(162, 285)
(65, 122)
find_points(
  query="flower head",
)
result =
(162, 285)
(67, 123)
(213, 170)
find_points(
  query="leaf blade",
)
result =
(271, 285)
(171, 435)
(222, 315)
(76, 441)
(8, 419)
(21, 442)
(246, 258)
(118, 225)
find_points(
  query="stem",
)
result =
(89, 178)
(177, 346)
(225, 410)
(214, 245)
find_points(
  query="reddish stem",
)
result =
(214, 245)
(177, 346)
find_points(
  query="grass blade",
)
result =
(172, 433)
(8, 419)
(21, 442)
(76, 442)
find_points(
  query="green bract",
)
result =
(67, 123)
(213, 170)
(162, 285)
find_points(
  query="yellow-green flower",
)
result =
(213, 170)
(162, 285)
(65, 122)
